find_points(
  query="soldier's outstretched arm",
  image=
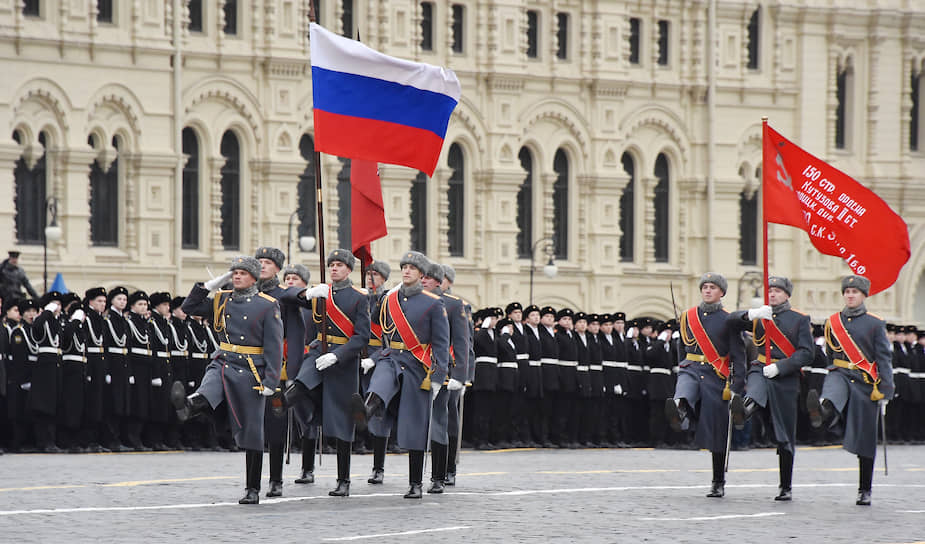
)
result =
(737, 360)
(198, 302)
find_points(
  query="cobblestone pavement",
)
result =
(630, 495)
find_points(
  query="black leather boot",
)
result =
(820, 413)
(373, 407)
(415, 474)
(785, 460)
(717, 489)
(343, 470)
(276, 489)
(293, 394)
(865, 480)
(253, 460)
(308, 461)
(675, 413)
(378, 475)
(187, 407)
(742, 408)
(438, 453)
(450, 478)
(359, 412)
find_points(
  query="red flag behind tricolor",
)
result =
(842, 217)
(367, 214)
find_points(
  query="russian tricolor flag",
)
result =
(371, 106)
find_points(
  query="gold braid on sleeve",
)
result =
(685, 337)
(759, 341)
(828, 338)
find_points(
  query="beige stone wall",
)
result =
(70, 76)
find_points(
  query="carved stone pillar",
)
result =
(438, 191)
(71, 184)
(215, 197)
(396, 196)
(9, 154)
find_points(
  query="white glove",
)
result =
(632, 332)
(191, 384)
(675, 335)
(820, 341)
(325, 360)
(26, 386)
(89, 379)
(157, 382)
(761, 312)
(454, 385)
(108, 379)
(618, 389)
(435, 391)
(267, 392)
(663, 336)
(506, 329)
(215, 283)
(883, 404)
(318, 291)
(367, 364)
(486, 322)
(52, 306)
(78, 314)
(770, 370)
(131, 380)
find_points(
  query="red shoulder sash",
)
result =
(721, 364)
(852, 351)
(777, 336)
(420, 351)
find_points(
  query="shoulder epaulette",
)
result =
(797, 311)
(431, 295)
(220, 291)
(360, 290)
(266, 296)
(872, 314)
(454, 297)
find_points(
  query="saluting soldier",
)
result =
(379, 428)
(486, 378)
(503, 406)
(459, 314)
(413, 363)
(329, 380)
(246, 368)
(73, 374)
(714, 364)
(46, 333)
(567, 412)
(860, 377)
(140, 365)
(94, 333)
(520, 424)
(774, 385)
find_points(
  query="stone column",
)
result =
(396, 197)
(9, 155)
(72, 187)
(503, 266)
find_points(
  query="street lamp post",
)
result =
(306, 243)
(52, 234)
(549, 269)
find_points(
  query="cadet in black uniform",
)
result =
(532, 378)
(486, 379)
(660, 383)
(246, 368)
(43, 392)
(94, 328)
(117, 395)
(73, 375)
(549, 365)
(18, 370)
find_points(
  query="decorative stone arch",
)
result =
(749, 151)
(667, 125)
(243, 106)
(540, 156)
(556, 301)
(910, 288)
(42, 104)
(657, 307)
(561, 113)
(117, 99)
(467, 116)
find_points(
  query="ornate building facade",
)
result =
(620, 138)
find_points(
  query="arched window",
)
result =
(748, 224)
(915, 114)
(560, 204)
(562, 36)
(343, 205)
(190, 190)
(525, 206)
(844, 94)
(427, 26)
(30, 197)
(231, 191)
(104, 200)
(754, 39)
(308, 204)
(627, 210)
(661, 208)
(419, 213)
(457, 200)
(231, 17)
(346, 18)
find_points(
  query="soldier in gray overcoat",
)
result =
(713, 365)
(413, 362)
(774, 385)
(860, 379)
(246, 367)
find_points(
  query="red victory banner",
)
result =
(367, 213)
(842, 217)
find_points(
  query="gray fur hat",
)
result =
(246, 263)
(380, 267)
(299, 270)
(781, 283)
(450, 273)
(415, 259)
(716, 279)
(343, 256)
(858, 282)
(434, 270)
(274, 254)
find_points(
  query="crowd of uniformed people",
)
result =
(258, 359)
